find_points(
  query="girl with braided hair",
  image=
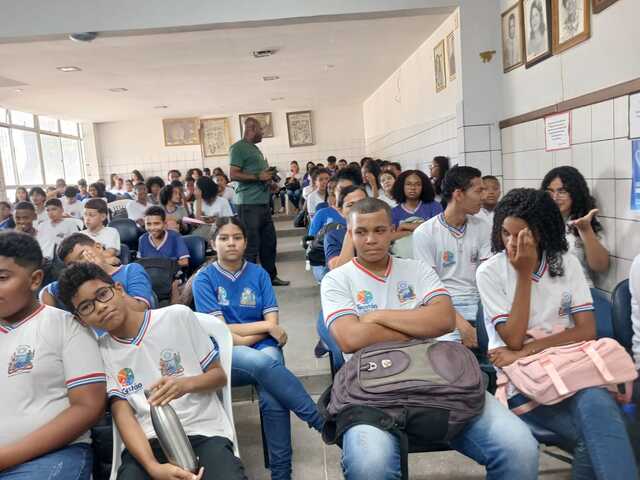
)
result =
(533, 282)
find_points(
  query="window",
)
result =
(72, 159)
(7, 157)
(49, 124)
(3, 115)
(25, 145)
(22, 119)
(52, 158)
(69, 128)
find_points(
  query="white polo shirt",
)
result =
(553, 299)
(576, 247)
(634, 286)
(313, 200)
(51, 234)
(353, 290)
(453, 253)
(109, 237)
(75, 209)
(44, 356)
(487, 216)
(220, 207)
(170, 342)
(135, 210)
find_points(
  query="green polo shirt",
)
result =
(248, 158)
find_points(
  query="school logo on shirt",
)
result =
(405, 292)
(448, 258)
(248, 298)
(364, 301)
(565, 304)
(21, 361)
(170, 363)
(127, 381)
(223, 298)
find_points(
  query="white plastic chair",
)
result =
(218, 330)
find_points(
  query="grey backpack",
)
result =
(423, 391)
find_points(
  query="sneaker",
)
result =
(320, 350)
(278, 282)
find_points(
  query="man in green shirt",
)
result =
(251, 171)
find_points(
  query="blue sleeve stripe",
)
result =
(269, 309)
(211, 357)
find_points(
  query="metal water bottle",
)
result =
(173, 440)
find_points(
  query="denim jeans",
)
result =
(70, 463)
(280, 392)
(467, 307)
(591, 422)
(497, 439)
(319, 272)
(295, 196)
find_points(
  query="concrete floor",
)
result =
(312, 459)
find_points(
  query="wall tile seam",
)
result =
(409, 138)
(418, 148)
(376, 140)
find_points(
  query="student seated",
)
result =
(171, 200)
(24, 216)
(38, 197)
(160, 242)
(72, 206)
(154, 185)
(52, 380)
(138, 205)
(6, 218)
(95, 215)
(414, 194)
(454, 243)
(490, 198)
(209, 205)
(165, 352)
(377, 298)
(320, 178)
(241, 294)
(371, 179)
(78, 247)
(534, 282)
(52, 231)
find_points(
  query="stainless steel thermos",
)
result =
(173, 440)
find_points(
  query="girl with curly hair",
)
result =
(585, 236)
(371, 178)
(533, 282)
(415, 198)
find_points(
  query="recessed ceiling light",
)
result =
(329, 66)
(270, 78)
(161, 106)
(263, 53)
(19, 90)
(69, 68)
(119, 89)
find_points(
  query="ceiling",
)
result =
(211, 71)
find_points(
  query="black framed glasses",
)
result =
(103, 295)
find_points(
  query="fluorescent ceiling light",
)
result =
(69, 68)
(161, 106)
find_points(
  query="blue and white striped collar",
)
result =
(230, 275)
(542, 268)
(456, 232)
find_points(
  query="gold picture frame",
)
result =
(300, 128)
(571, 24)
(439, 66)
(512, 37)
(600, 5)
(215, 136)
(265, 120)
(179, 132)
(451, 56)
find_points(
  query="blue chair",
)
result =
(602, 312)
(336, 358)
(621, 315)
(128, 230)
(197, 247)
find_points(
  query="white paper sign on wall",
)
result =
(557, 131)
(634, 115)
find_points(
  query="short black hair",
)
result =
(53, 202)
(138, 174)
(222, 221)
(5, 203)
(373, 168)
(69, 243)
(209, 189)
(154, 181)
(349, 190)
(206, 171)
(155, 211)
(331, 159)
(37, 191)
(76, 275)
(82, 182)
(350, 173)
(71, 191)
(458, 178)
(139, 185)
(370, 205)
(396, 165)
(176, 184)
(173, 170)
(97, 204)
(24, 206)
(222, 174)
(100, 188)
(22, 248)
(427, 194)
(319, 171)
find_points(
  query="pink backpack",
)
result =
(556, 373)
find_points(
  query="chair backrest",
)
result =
(335, 354)
(622, 328)
(162, 272)
(128, 230)
(603, 312)
(197, 247)
(118, 208)
(125, 254)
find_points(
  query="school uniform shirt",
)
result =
(109, 237)
(135, 210)
(220, 207)
(351, 289)
(51, 234)
(41, 216)
(228, 194)
(634, 287)
(554, 300)
(306, 191)
(401, 213)
(242, 297)
(44, 356)
(576, 248)
(381, 196)
(178, 214)
(74, 209)
(313, 200)
(333, 241)
(486, 215)
(172, 246)
(7, 224)
(170, 342)
(324, 217)
(134, 280)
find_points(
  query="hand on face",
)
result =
(524, 256)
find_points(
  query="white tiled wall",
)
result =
(602, 152)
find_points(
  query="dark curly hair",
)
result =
(209, 189)
(427, 194)
(581, 200)
(542, 215)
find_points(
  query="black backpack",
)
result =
(315, 250)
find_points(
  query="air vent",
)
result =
(263, 53)
(270, 78)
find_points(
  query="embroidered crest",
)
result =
(223, 299)
(21, 361)
(127, 381)
(364, 301)
(448, 258)
(565, 304)
(405, 292)
(170, 363)
(248, 298)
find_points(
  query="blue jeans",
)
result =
(497, 439)
(467, 307)
(295, 196)
(591, 422)
(280, 392)
(319, 272)
(70, 463)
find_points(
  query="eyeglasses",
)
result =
(560, 193)
(103, 295)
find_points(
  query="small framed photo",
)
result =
(571, 23)
(600, 5)
(300, 128)
(181, 131)
(451, 56)
(265, 121)
(512, 38)
(439, 66)
(216, 136)
(537, 30)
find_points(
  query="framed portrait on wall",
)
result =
(571, 23)
(451, 56)
(300, 128)
(265, 121)
(600, 5)
(181, 131)
(512, 38)
(216, 136)
(537, 30)
(439, 66)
